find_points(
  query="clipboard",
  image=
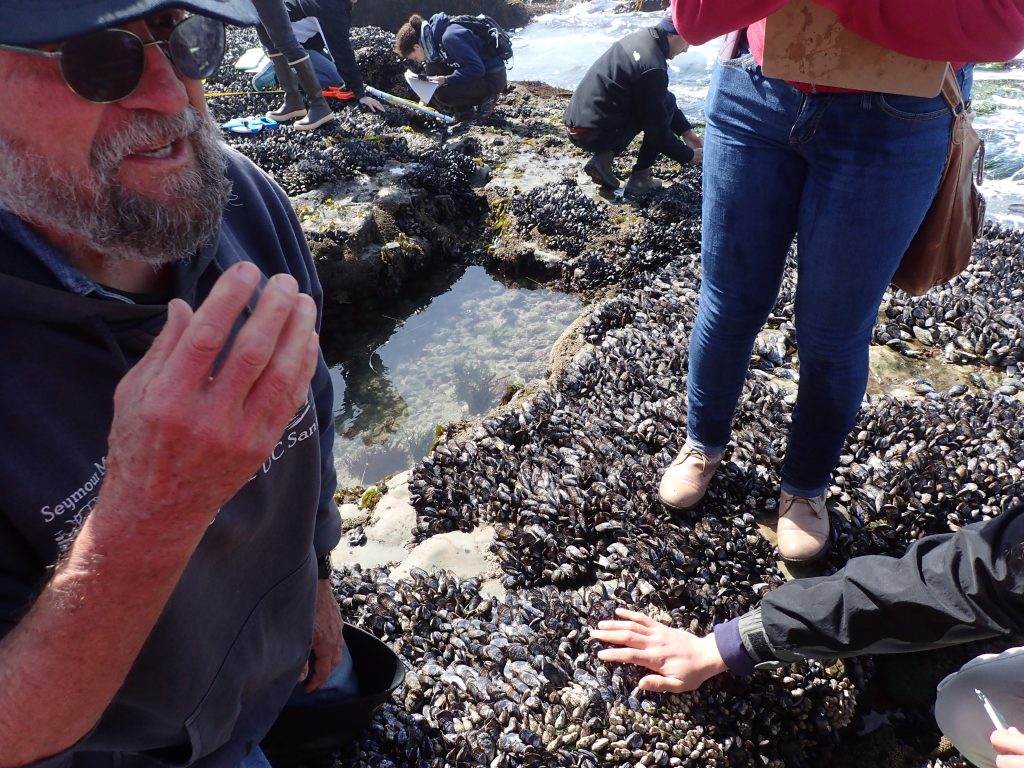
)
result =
(805, 42)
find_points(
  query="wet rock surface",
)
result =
(567, 472)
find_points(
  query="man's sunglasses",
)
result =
(107, 66)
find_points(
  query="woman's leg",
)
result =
(752, 185)
(275, 31)
(461, 95)
(960, 713)
(875, 162)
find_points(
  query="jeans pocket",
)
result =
(911, 107)
(745, 61)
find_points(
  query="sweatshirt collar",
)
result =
(70, 278)
(75, 281)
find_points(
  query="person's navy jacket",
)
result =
(231, 642)
(458, 47)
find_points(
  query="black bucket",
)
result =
(307, 731)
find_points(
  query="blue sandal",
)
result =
(251, 124)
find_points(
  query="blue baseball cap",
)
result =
(667, 26)
(24, 22)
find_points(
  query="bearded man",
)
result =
(167, 478)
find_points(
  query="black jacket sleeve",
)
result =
(947, 589)
(657, 109)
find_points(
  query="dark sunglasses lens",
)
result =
(105, 66)
(197, 47)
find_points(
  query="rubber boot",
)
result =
(293, 105)
(320, 111)
(641, 181)
(599, 169)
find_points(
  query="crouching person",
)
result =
(470, 77)
(625, 93)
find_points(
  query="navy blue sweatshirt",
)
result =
(230, 645)
(458, 47)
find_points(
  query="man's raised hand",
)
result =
(194, 419)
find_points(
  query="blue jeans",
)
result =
(342, 684)
(852, 176)
(326, 73)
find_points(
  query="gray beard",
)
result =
(116, 222)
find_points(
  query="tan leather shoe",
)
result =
(802, 532)
(687, 478)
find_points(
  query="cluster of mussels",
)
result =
(668, 224)
(515, 682)
(568, 477)
(973, 319)
(565, 217)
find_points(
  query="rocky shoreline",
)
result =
(544, 512)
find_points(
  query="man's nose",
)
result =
(161, 88)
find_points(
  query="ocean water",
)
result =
(557, 48)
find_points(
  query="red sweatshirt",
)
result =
(951, 30)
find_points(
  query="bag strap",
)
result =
(951, 90)
(955, 98)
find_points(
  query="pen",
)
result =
(993, 714)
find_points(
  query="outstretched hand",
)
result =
(1009, 746)
(680, 660)
(193, 420)
(372, 104)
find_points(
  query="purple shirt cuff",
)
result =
(735, 656)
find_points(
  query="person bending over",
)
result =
(335, 17)
(470, 78)
(625, 93)
(310, 36)
(167, 512)
(947, 589)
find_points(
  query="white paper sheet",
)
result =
(252, 60)
(424, 89)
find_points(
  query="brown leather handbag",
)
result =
(941, 248)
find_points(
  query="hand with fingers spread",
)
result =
(195, 418)
(1009, 747)
(680, 660)
(372, 104)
